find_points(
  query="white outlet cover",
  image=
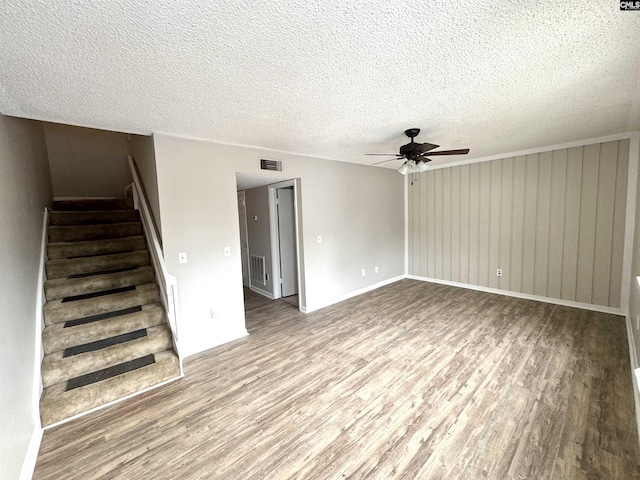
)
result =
(375, 269)
(364, 272)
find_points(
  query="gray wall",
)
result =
(142, 150)
(257, 203)
(358, 210)
(86, 162)
(553, 222)
(25, 189)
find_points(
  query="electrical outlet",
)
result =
(375, 269)
(364, 272)
(499, 272)
(182, 257)
(214, 314)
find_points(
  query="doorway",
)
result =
(285, 238)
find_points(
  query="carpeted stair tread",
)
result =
(94, 204)
(57, 403)
(58, 368)
(75, 266)
(59, 250)
(60, 288)
(57, 337)
(92, 217)
(77, 233)
(57, 311)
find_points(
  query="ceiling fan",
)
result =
(416, 154)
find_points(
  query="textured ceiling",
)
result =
(332, 79)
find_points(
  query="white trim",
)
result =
(39, 321)
(352, 294)
(525, 296)
(31, 457)
(578, 143)
(254, 147)
(630, 220)
(259, 291)
(273, 239)
(633, 360)
(114, 402)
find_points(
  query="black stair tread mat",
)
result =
(98, 294)
(110, 372)
(103, 272)
(102, 316)
(104, 343)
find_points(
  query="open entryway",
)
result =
(269, 222)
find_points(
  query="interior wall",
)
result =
(142, 150)
(257, 203)
(86, 162)
(554, 223)
(25, 190)
(358, 211)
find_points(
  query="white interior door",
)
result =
(244, 239)
(287, 241)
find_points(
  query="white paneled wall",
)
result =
(552, 221)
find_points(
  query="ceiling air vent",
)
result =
(270, 165)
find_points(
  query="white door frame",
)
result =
(244, 252)
(275, 241)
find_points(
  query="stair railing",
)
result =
(168, 283)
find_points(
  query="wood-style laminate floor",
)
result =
(413, 380)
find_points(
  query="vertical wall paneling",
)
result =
(439, 231)
(474, 222)
(530, 215)
(484, 224)
(604, 222)
(446, 224)
(554, 222)
(494, 229)
(572, 197)
(587, 238)
(517, 219)
(425, 209)
(506, 204)
(540, 272)
(465, 184)
(431, 221)
(617, 247)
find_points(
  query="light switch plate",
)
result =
(182, 257)
(319, 238)
(227, 251)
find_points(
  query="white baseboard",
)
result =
(264, 293)
(633, 360)
(352, 294)
(30, 458)
(60, 199)
(525, 296)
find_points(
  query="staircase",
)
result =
(106, 335)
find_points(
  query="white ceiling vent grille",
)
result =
(270, 165)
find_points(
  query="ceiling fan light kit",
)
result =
(416, 154)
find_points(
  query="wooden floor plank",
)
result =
(412, 380)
